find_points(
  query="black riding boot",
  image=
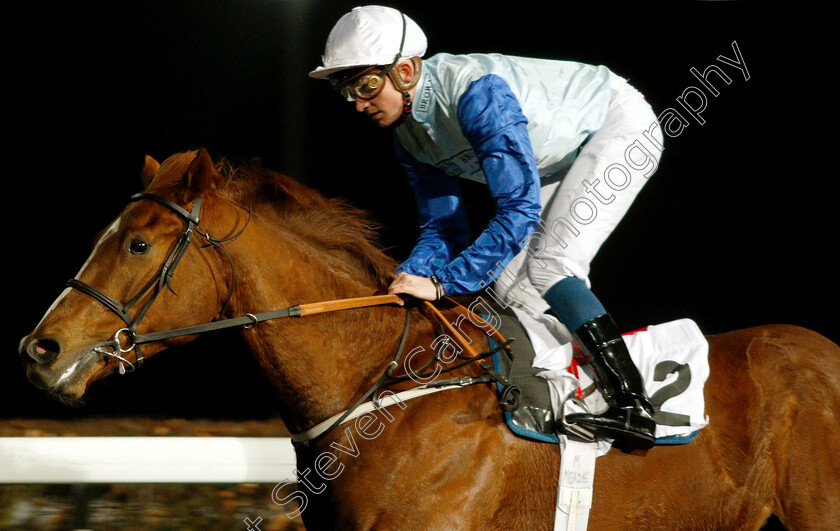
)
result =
(629, 418)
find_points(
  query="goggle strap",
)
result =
(407, 104)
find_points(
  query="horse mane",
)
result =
(331, 223)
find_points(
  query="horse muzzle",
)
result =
(40, 351)
(47, 369)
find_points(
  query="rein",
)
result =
(115, 348)
(163, 278)
(360, 407)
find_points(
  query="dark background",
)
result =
(736, 229)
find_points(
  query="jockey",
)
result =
(563, 147)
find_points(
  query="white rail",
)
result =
(146, 459)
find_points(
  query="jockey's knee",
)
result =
(545, 273)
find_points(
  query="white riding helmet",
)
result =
(370, 35)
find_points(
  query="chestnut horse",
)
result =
(441, 461)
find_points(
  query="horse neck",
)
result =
(313, 365)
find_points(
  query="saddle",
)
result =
(527, 401)
(524, 396)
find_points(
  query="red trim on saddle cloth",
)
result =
(573, 368)
(578, 355)
(635, 331)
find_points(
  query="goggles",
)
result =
(365, 85)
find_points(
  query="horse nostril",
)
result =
(43, 350)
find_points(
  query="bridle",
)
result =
(127, 339)
(115, 347)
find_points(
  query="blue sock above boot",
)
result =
(573, 303)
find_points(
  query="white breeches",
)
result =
(581, 210)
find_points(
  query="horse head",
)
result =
(129, 283)
(187, 251)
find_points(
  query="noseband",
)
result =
(115, 348)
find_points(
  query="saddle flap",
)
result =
(532, 415)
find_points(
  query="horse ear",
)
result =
(201, 177)
(150, 168)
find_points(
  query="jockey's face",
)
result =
(386, 108)
(375, 94)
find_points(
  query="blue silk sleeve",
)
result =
(444, 230)
(492, 121)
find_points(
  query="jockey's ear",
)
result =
(150, 168)
(201, 177)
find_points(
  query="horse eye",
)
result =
(138, 246)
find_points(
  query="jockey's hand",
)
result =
(418, 287)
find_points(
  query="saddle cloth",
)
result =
(672, 358)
